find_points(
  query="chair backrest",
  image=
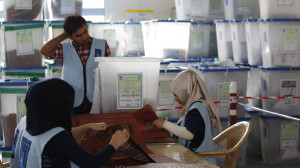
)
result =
(235, 136)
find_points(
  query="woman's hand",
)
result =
(80, 131)
(98, 126)
(159, 123)
(119, 138)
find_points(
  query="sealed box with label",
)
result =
(13, 108)
(199, 39)
(254, 86)
(279, 139)
(167, 107)
(253, 41)
(199, 10)
(22, 43)
(241, 9)
(163, 40)
(217, 80)
(18, 10)
(238, 36)
(280, 42)
(134, 42)
(254, 139)
(279, 9)
(127, 83)
(281, 82)
(113, 33)
(224, 40)
(60, 9)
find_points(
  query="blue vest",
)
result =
(207, 144)
(27, 150)
(73, 70)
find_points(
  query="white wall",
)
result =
(115, 9)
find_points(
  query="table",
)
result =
(178, 153)
(174, 151)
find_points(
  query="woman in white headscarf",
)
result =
(199, 114)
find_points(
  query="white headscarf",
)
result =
(189, 88)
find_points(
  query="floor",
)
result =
(257, 162)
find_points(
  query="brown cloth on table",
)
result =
(96, 140)
(13, 14)
(139, 125)
(145, 117)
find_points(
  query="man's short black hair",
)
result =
(73, 23)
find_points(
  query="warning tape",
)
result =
(242, 97)
(269, 97)
(270, 112)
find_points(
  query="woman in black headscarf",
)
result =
(45, 138)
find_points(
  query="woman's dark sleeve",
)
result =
(195, 124)
(64, 145)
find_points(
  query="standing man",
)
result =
(78, 57)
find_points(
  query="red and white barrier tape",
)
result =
(243, 97)
(270, 112)
(269, 97)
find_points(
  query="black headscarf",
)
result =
(49, 104)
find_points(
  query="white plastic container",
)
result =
(55, 28)
(22, 42)
(216, 10)
(253, 42)
(134, 42)
(54, 70)
(185, 64)
(279, 9)
(280, 42)
(189, 9)
(199, 10)
(165, 40)
(16, 10)
(166, 104)
(241, 9)
(12, 107)
(128, 83)
(254, 86)
(254, 139)
(59, 9)
(24, 72)
(199, 39)
(217, 80)
(241, 162)
(148, 37)
(224, 40)
(281, 82)
(113, 33)
(239, 45)
(279, 139)
(213, 45)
